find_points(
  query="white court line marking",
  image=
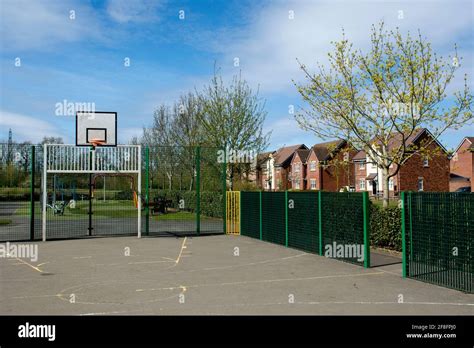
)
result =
(246, 264)
(458, 304)
(113, 312)
(271, 280)
(81, 257)
(183, 246)
(30, 265)
(140, 262)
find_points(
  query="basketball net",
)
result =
(97, 142)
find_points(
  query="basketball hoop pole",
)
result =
(91, 162)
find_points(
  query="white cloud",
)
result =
(26, 128)
(285, 131)
(43, 24)
(273, 41)
(124, 11)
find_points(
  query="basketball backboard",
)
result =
(96, 126)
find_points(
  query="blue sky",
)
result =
(82, 59)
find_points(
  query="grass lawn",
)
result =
(5, 222)
(107, 209)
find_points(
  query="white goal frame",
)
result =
(68, 158)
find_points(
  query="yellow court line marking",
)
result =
(28, 264)
(268, 281)
(183, 246)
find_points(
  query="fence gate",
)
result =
(437, 238)
(78, 172)
(233, 212)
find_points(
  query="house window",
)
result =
(313, 184)
(420, 184)
(312, 166)
(390, 184)
(297, 184)
(455, 157)
(426, 162)
(346, 156)
(297, 167)
(374, 165)
(361, 166)
(362, 184)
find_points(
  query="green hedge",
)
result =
(385, 227)
(211, 202)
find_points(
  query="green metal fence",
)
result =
(250, 214)
(186, 191)
(437, 238)
(183, 192)
(331, 224)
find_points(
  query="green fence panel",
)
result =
(273, 217)
(250, 214)
(439, 233)
(303, 221)
(343, 226)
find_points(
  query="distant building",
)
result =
(462, 166)
(418, 173)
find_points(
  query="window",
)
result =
(313, 184)
(374, 165)
(361, 166)
(297, 167)
(420, 184)
(297, 184)
(426, 162)
(362, 184)
(390, 184)
(312, 166)
(346, 156)
(455, 157)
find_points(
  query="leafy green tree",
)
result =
(232, 118)
(382, 97)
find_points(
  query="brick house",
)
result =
(329, 166)
(275, 168)
(418, 173)
(462, 165)
(264, 171)
(299, 169)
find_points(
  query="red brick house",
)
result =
(299, 170)
(418, 173)
(462, 165)
(329, 166)
(274, 168)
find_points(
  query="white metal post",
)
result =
(45, 188)
(139, 160)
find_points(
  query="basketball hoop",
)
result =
(97, 142)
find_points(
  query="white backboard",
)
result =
(97, 125)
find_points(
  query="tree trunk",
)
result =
(386, 192)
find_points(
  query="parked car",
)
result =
(464, 189)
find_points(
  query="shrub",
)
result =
(385, 227)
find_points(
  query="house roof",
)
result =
(303, 154)
(371, 176)
(284, 154)
(360, 156)
(470, 139)
(396, 140)
(324, 150)
(458, 177)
